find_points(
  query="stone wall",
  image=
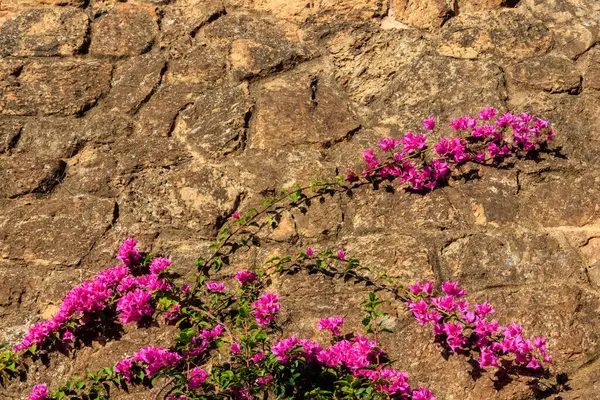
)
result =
(158, 118)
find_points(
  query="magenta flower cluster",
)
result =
(394, 383)
(291, 347)
(467, 328)
(201, 342)
(265, 309)
(114, 287)
(478, 139)
(151, 358)
(128, 253)
(134, 305)
(196, 377)
(216, 287)
(360, 356)
(128, 291)
(244, 277)
(331, 324)
(39, 392)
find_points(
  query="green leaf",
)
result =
(218, 264)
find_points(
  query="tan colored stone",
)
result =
(574, 211)
(367, 63)
(548, 73)
(10, 131)
(322, 11)
(157, 116)
(510, 258)
(285, 230)
(352, 9)
(183, 19)
(278, 167)
(44, 32)
(298, 10)
(52, 87)
(572, 40)
(299, 110)
(398, 255)
(244, 55)
(591, 65)
(29, 174)
(217, 122)
(13, 8)
(466, 6)
(591, 251)
(29, 170)
(128, 29)
(505, 33)
(258, 46)
(441, 86)
(105, 169)
(565, 12)
(424, 13)
(74, 3)
(59, 231)
(204, 64)
(197, 198)
(135, 81)
(59, 137)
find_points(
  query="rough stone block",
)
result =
(44, 32)
(126, 30)
(52, 87)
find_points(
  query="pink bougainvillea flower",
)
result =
(332, 324)
(414, 142)
(429, 123)
(39, 392)
(265, 308)
(196, 377)
(258, 357)
(235, 348)
(217, 287)
(244, 277)
(124, 368)
(422, 394)
(264, 380)
(487, 113)
(128, 253)
(134, 305)
(155, 358)
(388, 143)
(158, 265)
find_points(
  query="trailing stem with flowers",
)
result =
(229, 344)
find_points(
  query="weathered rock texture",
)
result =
(159, 118)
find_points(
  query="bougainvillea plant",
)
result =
(490, 139)
(229, 343)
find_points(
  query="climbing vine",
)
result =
(229, 343)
